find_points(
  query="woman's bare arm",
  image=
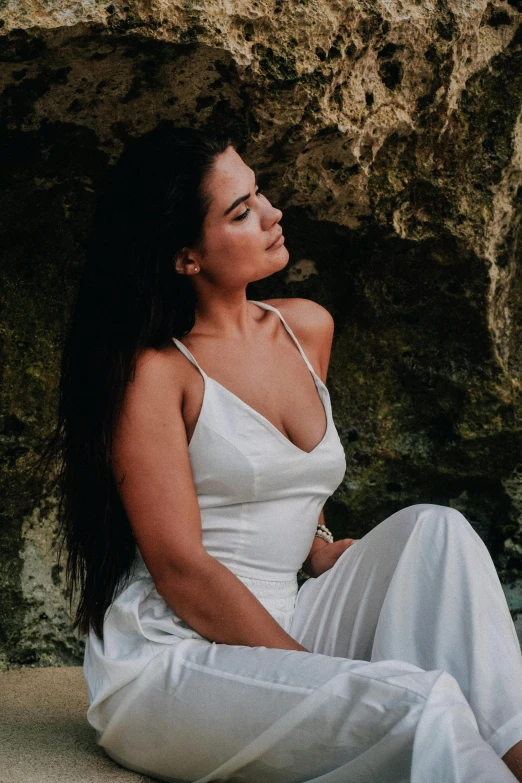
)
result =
(150, 453)
(211, 599)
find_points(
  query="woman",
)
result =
(199, 449)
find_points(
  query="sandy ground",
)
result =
(44, 733)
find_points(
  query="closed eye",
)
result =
(245, 214)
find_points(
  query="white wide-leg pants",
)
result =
(414, 674)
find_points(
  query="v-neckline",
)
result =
(320, 389)
(267, 422)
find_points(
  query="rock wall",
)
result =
(390, 134)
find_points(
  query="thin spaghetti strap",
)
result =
(292, 335)
(184, 350)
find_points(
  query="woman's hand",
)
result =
(325, 557)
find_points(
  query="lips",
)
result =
(275, 241)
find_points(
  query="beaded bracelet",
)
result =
(321, 532)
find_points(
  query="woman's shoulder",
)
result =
(306, 318)
(161, 374)
(313, 326)
(304, 308)
(154, 362)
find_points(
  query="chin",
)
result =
(277, 264)
(282, 257)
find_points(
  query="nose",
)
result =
(273, 215)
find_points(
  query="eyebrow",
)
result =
(239, 200)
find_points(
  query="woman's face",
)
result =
(239, 227)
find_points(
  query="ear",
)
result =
(185, 261)
(182, 261)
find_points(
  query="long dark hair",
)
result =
(129, 296)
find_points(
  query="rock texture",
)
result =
(390, 134)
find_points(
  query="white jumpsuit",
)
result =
(415, 671)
